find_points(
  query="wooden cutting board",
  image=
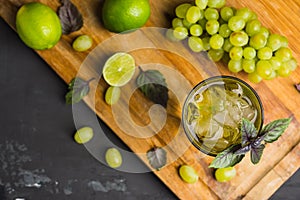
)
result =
(280, 98)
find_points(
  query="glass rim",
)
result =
(191, 139)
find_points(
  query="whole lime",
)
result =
(120, 15)
(38, 26)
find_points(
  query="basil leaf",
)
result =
(256, 153)
(153, 85)
(70, 18)
(275, 129)
(157, 157)
(248, 132)
(243, 150)
(78, 88)
(227, 158)
(297, 86)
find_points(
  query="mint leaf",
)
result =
(272, 131)
(70, 18)
(227, 158)
(256, 153)
(153, 84)
(157, 157)
(248, 132)
(78, 88)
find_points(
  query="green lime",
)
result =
(119, 69)
(38, 26)
(119, 15)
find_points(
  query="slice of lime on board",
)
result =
(119, 69)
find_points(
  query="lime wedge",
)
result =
(119, 69)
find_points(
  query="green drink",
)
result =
(213, 111)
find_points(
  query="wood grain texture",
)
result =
(280, 98)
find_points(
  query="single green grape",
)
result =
(82, 43)
(195, 44)
(236, 53)
(226, 13)
(224, 31)
(201, 4)
(177, 22)
(284, 54)
(249, 53)
(254, 77)
(272, 76)
(193, 14)
(258, 41)
(235, 66)
(206, 45)
(83, 135)
(170, 35)
(239, 38)
(113, 158)
(212, 26)
(112, 95)
(290, 64)
(264, 31)
(215, 54)
(181, 10)
(225, 174)
(211, 13)
(227, 45)
(253, 27)
(274, 42)
(236, 23)
(284, 41)
(202, 23)
(265, 53)
(186, 24)
(196, 30)
(216, 41)
(216, 3)
(180, 33)
(248, 65)
(264, 68)
(245, 13)
(283, 72)
(275, 62)
(188, 174)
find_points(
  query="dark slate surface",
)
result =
(38, 158)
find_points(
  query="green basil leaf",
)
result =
(157, 157)
(153, 85)
(248, 132)
(78, 88)
(297, 86)
(70, 18)
(256, 153)
(275, 129)
(243, 150)
(227, 158)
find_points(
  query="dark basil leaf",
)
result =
(70, 18)
(78, 88)
(297, 86)
(256, 153)
(257, 141)
(153, 84)
(243, 150)
(227, 158)
(157, 157)
(248, 132)
(275, 129)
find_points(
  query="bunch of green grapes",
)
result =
(236, 35)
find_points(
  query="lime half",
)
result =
(119, 69)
